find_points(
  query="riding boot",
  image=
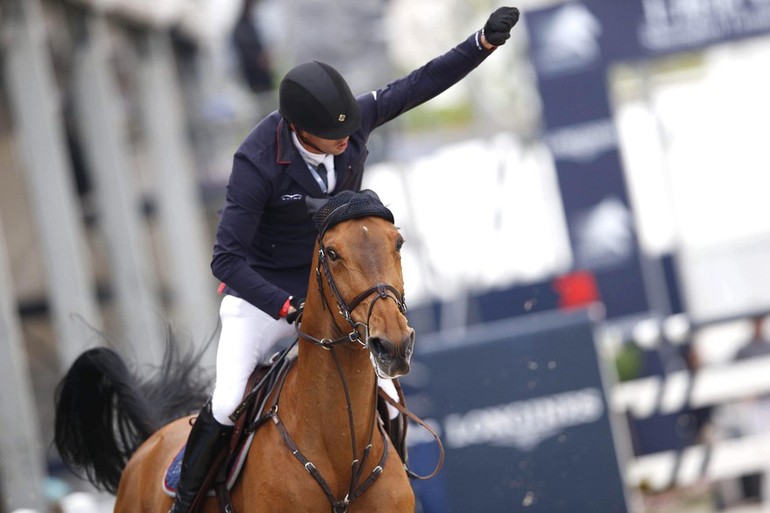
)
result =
(396, 429)
(207, 438)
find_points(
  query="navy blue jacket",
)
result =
(265, 238)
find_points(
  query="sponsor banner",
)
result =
(567, 48)
(572, 45)
(564, 40)
(580, 36)
(523, 424)
(523, 415)
(647, 28)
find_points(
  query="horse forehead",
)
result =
(367, 231)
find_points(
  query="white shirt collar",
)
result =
(308, 156)
(314, 159)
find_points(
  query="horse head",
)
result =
(358, 269)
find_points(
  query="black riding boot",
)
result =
(396, 429)
(207, 438)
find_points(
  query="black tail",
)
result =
(104, 411)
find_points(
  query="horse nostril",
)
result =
(379, 346)
(391, 360)
(384, 349)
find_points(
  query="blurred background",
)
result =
(586, 216)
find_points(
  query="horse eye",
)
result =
(333, 256)
(399, 244)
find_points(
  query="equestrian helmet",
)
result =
(314, 97)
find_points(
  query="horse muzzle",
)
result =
(391, 359)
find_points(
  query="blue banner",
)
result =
(580, 132)
(633, 29)
(572, 45)
(522, 409)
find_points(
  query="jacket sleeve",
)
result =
(247, 194)
(422, 84)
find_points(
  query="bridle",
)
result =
(382, 291)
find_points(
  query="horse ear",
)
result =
(313, 205)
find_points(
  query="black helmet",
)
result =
(314, 97)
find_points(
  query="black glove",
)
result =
(297, 303)
(498, 27)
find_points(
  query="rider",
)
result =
(313, 146)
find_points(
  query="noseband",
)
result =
(382, 291)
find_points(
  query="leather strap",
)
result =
(417, 420)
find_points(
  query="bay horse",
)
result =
(325, 447)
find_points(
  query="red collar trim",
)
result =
(281, 157)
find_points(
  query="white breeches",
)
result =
(247, 334)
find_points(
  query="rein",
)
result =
(417, 420)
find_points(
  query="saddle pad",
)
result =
(234, 466)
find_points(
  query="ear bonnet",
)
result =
(349, 205)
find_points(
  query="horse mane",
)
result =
(105, 410)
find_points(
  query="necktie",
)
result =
(321, 169)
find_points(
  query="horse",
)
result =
(323, 445)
